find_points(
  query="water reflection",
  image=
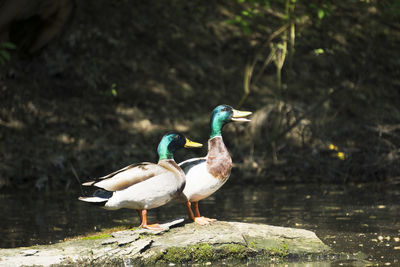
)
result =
(348, 218)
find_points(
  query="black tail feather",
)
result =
(96, 196)
(103, 193)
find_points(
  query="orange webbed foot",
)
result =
(209, 219)
(203, 220)
(154, 227)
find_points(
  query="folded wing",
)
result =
(127, 176)
(190, 163)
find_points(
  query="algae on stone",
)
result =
(235, 251)
(94, 237)
(196, 253)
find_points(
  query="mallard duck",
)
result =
(145, 185)
(206, 175)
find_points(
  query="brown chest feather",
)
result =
(219, 162)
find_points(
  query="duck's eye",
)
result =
(225, 109)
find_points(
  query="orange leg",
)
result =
(143, 218)
(189, 209)
(197, 213)
(196, 217)
(196, 209)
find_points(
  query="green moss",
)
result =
(198, 253)
(268, 247)
(141, 236)
(177, 255)
(103, 234)
(252, 244)
(282, 251)
(205, 252)
(202, 252)
(94, 237)
(233, 251)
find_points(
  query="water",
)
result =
(350, 218)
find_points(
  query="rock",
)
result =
(177, 243)
(29, 252)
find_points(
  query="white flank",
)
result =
(148, 194)
(200, 183)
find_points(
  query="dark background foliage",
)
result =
(322, 78)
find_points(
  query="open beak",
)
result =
(192, 144)
(240, 115)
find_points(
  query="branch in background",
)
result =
(248, 72)
(249, 68)
(310, 111)
(77, 177)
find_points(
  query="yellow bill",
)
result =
(240, 115)
(192, 144)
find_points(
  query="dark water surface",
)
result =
(349, 218)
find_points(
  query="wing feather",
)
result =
(190, 163)
(127, 176)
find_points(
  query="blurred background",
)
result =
(88, 87)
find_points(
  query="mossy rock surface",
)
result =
(178, 243)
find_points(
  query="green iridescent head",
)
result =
(171, 142)
(223, 114)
